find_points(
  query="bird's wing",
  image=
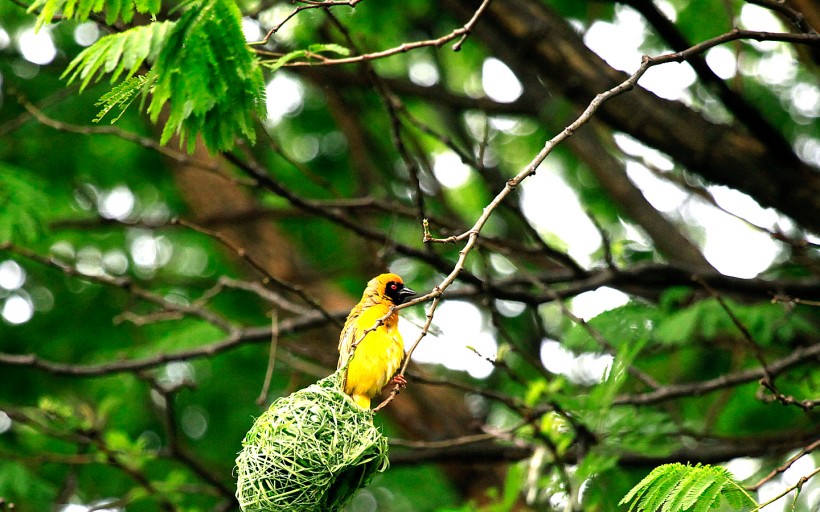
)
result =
(348, 335)
(346, 340)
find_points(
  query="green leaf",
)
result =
(122, 95)
(661, 489)
(201, 65)
(284, 59)
(681, 327)
(623, 325)
(81, 10)
(682, 491)
(23, 485)
(736, 497)
(697, 490)
(116, 52)
(708, 498)
(676, 488)
(707, 319)
(210, 78)
(329, 48)
(314, 49)
(513, 483)
(637, 492)
(25, 204)
(602, 395)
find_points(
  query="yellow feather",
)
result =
(379, 352)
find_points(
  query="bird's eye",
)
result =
(393, 286)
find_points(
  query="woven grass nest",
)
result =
(310, 451)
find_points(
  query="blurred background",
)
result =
(618, 312)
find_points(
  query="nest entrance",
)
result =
(310, 451)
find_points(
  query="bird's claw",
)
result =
(399, 381)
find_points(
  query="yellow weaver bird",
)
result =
(378, 355)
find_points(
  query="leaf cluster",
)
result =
(215, 81)
(677, 488)
(671, 324)
(81, 10)
(202, 75)
(23, 198)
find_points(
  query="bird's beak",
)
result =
(405, 294)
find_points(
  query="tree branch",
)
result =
(799, 355)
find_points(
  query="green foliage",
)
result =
(201, 69)
(624, 325)
(124, 52)
(123, 94)
(313, 51)
(25, 202)
(671, 324)
(211, 79)
(677, 488)
(81, 10)
(707, 319)
(703, 19)
(21, 483)
(602, 395)
(629, 429)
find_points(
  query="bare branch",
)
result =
(798, 356)
(287, 326)
(126, 284)
(267, 278)
(780, 469)
(460, 33)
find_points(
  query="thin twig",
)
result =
(670, 392)
(776, 471)
(126, 284)
(325, 4)
(145, 142)
(267, 277)
(767, 381)
(274, 341)
(472, 234)
(287, 326)
(796, 486)
(736, 34)
(461, 33)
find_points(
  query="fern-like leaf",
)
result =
(735, 496)
(709, 498)
(697, 490)
(662, 489)
(209, 77)
(635, 495)
(123, 94)
(81, 10)
(679, 488)
(118, 53)
(682, 492)
(312, 51)
(200, 67)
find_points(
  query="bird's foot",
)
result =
(399, 381)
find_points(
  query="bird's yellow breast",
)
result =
(378, 355)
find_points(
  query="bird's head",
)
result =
(389, 288)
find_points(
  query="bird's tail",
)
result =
(362, 401)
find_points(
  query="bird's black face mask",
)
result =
(398, 293)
